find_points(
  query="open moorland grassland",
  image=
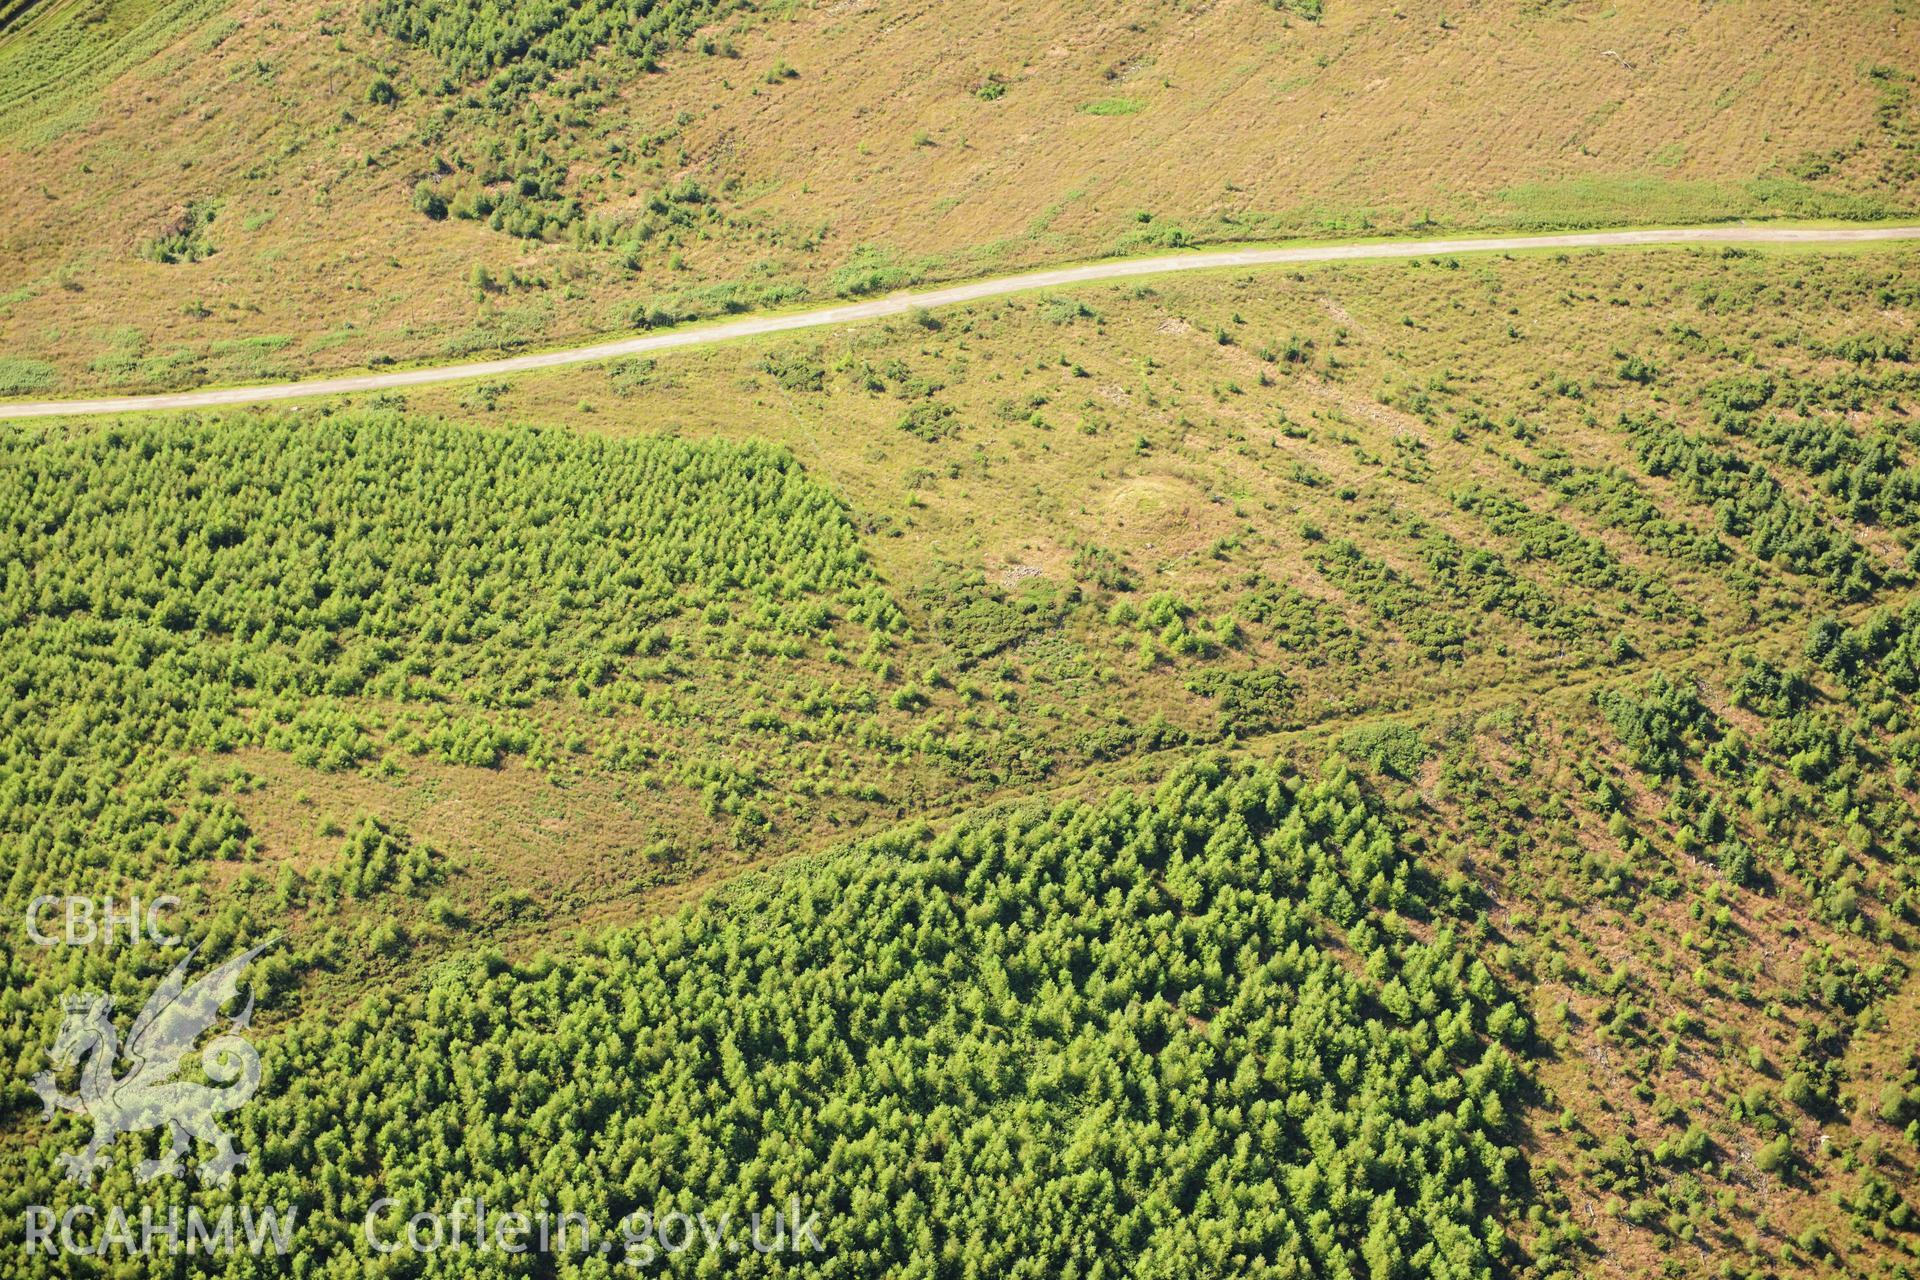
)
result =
(206, 192)
(1376, 769)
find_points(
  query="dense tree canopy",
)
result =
(475, 38)
(174, 592)
(1178, 1035)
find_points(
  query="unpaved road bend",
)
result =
(899, 303)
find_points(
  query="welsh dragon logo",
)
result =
(151, 1094)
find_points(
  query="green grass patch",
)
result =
(1607, 202)
(18, 375)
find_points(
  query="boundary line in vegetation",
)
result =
(702, 334)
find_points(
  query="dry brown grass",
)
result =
(1250, 124)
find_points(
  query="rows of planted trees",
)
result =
(1714, 876)
(361, 592)
(1229, 1028)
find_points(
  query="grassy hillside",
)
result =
(1384, 661)
(246, 192)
